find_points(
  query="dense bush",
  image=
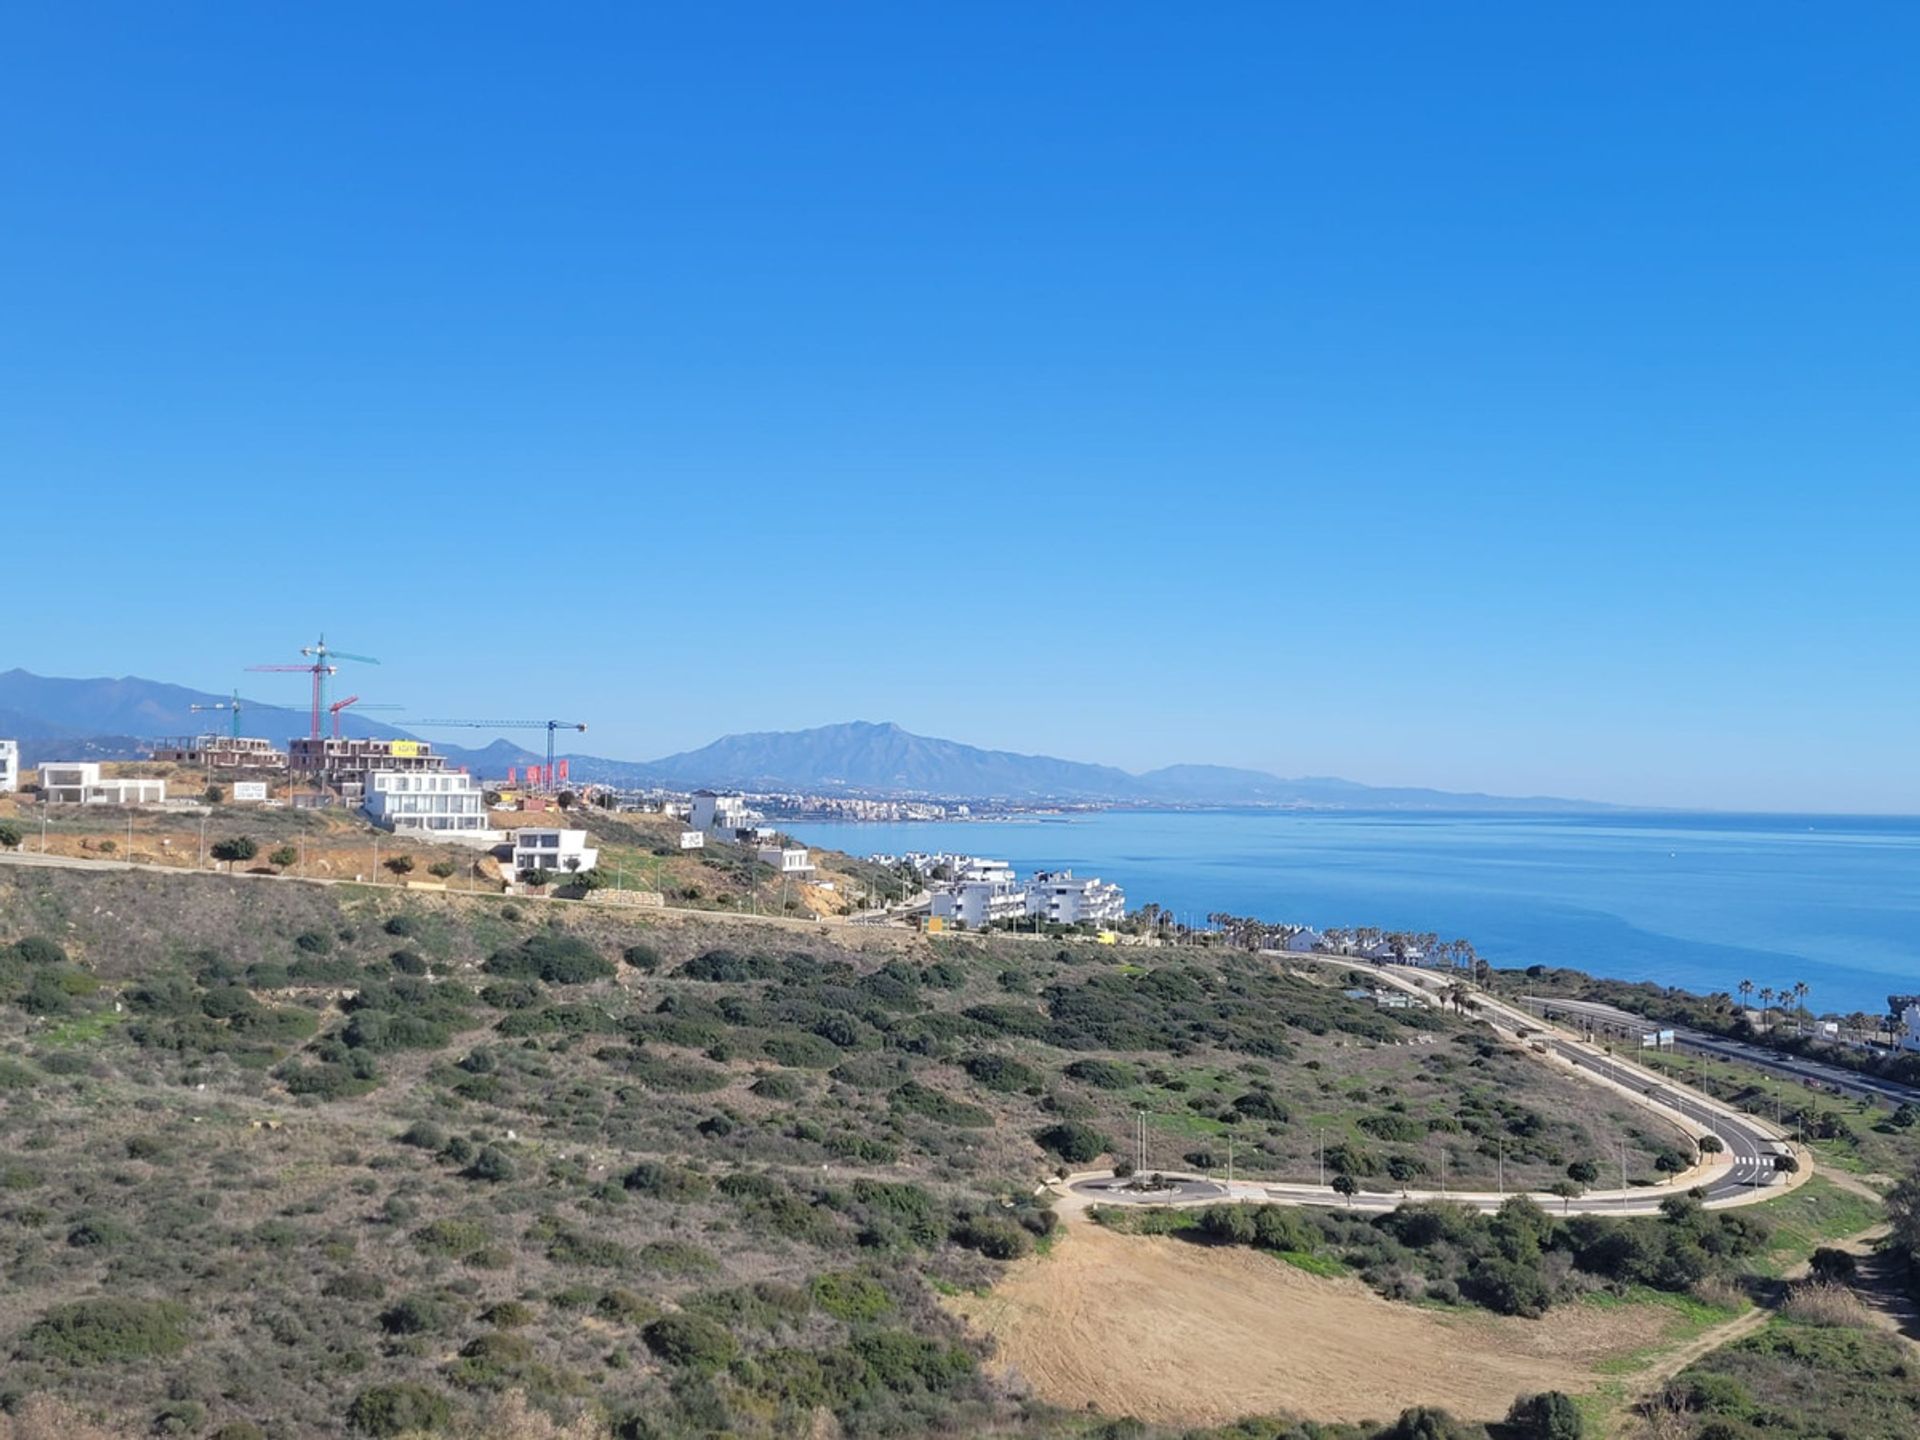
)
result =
(690, 1341)
(399, 1409)
(548, 955)
(1073, 1142)
(107, 1330)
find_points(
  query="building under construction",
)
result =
(221, 752)
(344, 762)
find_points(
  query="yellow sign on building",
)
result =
(404, 749)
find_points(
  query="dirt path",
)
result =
(1180, 1333)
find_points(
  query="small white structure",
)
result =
(1304, 942)
(693, 839)
(79, 782)
(1064, 899)
(9, 766)
(721, 810)
(788, 860)
(561, 851)
(436, 804)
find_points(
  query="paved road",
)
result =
(1792, 1067)
(1746, 1169)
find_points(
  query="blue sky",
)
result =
(1493, 397)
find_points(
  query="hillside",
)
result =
(305, 1160)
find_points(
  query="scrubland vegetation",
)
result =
(291, 1160)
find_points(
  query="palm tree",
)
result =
(1766, 1002)
(1800, 992)
(1746, 994)
(1458, 995)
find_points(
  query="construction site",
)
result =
(392, 809)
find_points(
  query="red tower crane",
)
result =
(547, 725)
(319, 669)
(337, 706)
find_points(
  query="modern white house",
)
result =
(434, 804)
(721, 810)
(788, 860)
(1065, 899)
(562, 851)
(979, 903)
(1908, 1031)
(9, 766)
(1305, 942)
(79, 782)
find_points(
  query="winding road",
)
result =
(1744, 1173)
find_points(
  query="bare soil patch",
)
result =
(1180, 1333)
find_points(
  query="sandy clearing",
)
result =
(1177, 1333)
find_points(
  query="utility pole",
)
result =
(1500, 1167)
(1229, 1165)
(1623, 1166)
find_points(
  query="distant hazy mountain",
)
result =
(865, 756)
(883, 758)
(106, 719)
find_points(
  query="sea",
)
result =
(1697, 901)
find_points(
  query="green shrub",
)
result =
(850, 1297)
(399, 1409)
(555, 958)
(641, 957)
(106, 1330)
(672, 1183)
(692, 1342)
(1547, 1416)
(1073, 1142)
(1101, 1074)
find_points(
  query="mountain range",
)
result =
(57, 718)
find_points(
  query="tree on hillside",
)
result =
(1345, 1185)
(401, 864)
(237, 847)
(9, 835)
(442, 869)
(213, 794)
(283, 857)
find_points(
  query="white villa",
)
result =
(721, 810)
(434, 804)
(562, 851)
(788, 860)
(79, 782)
(9, 766)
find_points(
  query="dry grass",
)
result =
(1181, 1333)
(41, 1417)
(1825, 1302)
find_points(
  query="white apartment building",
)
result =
(1064, 899)
(9, 766)
(788, 860)
(718, 810)
(562, 851)
(979, 903)
(434, 804)
(79, 782)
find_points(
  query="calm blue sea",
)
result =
(1691, 900)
